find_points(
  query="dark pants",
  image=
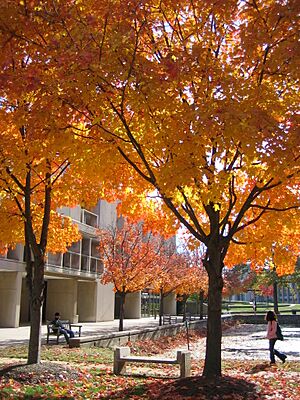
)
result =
(67, 333)
(274, 352)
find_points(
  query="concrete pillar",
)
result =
(132, 308)
(10, 299)
(104, 302)
(87, 301)
(62, 298)
(170, 304)
(25, 303)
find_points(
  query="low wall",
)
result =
(121, 338)
(115, 339)
(283, 319)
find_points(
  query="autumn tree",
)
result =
(238, 279)
(42, 163)
(193, 280)
(130, 257)
(198, 101)
(175, 274)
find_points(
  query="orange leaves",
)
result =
(130, 256)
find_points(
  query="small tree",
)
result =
(130, 257)
(238, 280)
(193, 280)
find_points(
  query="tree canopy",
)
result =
(196, 102)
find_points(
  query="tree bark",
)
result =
(36, 304)
(36, 267)
(161, 307)
(275, 297)
(201, 300)
(121, 320)
(184, 299)
(214, 264)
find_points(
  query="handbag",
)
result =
(278, 332)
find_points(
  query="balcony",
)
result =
(89, 222)
(72, 263)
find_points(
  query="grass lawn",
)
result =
(247, 307)
(87, 374)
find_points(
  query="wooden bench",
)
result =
(56, 333)
(169, 319)
(122, 357)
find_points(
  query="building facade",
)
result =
(72, 280)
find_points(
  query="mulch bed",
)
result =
(38, 373)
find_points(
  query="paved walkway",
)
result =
(13, 336)
(247, 342)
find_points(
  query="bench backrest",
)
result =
(53, 329)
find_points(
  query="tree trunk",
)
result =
(275, 297)
(36, 305)
(121, 320)
(212, 365)
(36, 268)
(184, 299)
(161, 307)
(201, 300)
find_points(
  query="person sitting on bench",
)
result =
(57, 324)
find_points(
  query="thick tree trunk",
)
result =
(212, 365)
(121, 320)
(36, 268)
(36, 304)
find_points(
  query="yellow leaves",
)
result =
(205, 115)
(216, 207)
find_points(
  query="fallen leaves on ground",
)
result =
(87, 374)
(241, 380)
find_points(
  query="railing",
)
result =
(91, 264)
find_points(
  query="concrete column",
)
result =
(10, 299)
(25, 303)
(132, 308)
(104, 302)
(87, 301)
(170, 304)
(62, 298)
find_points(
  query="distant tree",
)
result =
(130, 257)
(194, 280)
(238, 280)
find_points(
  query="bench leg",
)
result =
(184, 359)
(119, 364)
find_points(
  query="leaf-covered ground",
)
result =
(87, 374)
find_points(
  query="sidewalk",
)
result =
(243, 342)
(14, 336)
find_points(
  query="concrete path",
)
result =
(13, 336)
(247, 342)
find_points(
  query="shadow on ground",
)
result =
(192, 388)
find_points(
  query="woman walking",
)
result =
(271, 335)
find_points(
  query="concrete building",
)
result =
(72, 280)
